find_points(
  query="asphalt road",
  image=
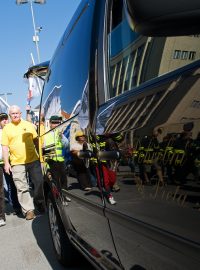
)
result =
(26, 245)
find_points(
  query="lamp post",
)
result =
(35, 29)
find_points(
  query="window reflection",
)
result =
(153, 87)
(134, 59)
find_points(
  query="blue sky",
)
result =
(17, 41)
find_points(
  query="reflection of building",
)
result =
(140, 58)
(168, 102)
(178, 52)
(167, 105)
(52, 104)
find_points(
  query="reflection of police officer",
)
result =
(182, 156)
(109, 142)
(167, 146)
(149, 158)
(55, 160)
(109, 177)
(196, 157)
(113, 144)
(82, 171)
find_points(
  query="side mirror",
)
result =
(39, 70)
(164, 18)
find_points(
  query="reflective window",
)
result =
(177, 54)
(134, 59)
(192, 55)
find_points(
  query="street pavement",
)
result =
(27, 245)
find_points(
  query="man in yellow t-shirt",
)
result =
(19, 140)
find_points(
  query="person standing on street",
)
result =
(56, 160)
(2, 213)
(11, 193)
(19, 141)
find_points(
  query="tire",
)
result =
(66, 254)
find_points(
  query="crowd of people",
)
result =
(63, 146)
(87, 171)
(170, 160)
(21, 161)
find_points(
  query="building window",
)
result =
(177, 54)
(195, 104)
(192, 55)
(184, 55)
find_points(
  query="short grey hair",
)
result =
(14, 107)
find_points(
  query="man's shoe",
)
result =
(30, 215)
(2, 222)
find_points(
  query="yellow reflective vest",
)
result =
(53, 137)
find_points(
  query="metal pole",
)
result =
(6, 97)
(35, 32)
(5, 102)
(38, 81)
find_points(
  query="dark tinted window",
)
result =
(134, 59)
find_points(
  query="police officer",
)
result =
(55, 159)
(195, 147)
(79, 165)
(149, 158)
(182, 159)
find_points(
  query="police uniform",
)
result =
(55, 159)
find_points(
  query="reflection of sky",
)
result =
(121, 37)
(70, 64)
(103, 118)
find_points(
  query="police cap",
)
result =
(55, 119)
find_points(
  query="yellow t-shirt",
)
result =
(41, 141)
(19, 138)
